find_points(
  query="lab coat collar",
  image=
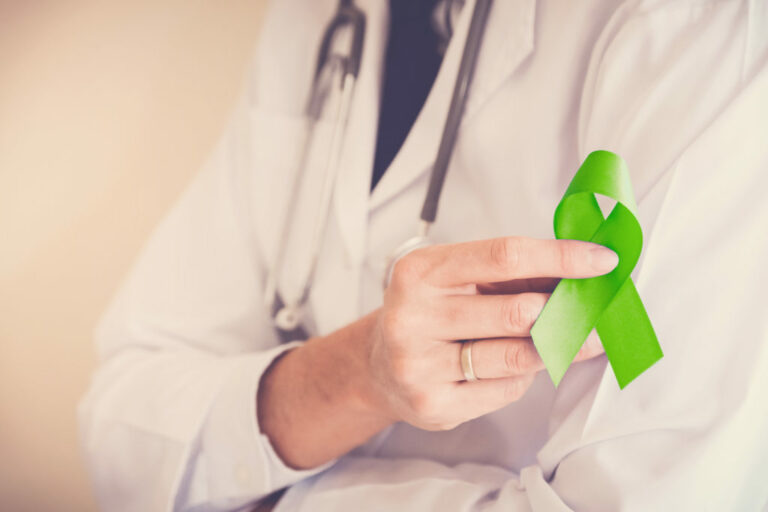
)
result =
(508, 40)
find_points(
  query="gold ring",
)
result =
(466, 361)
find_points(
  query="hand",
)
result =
(490, 291)
(401, 362)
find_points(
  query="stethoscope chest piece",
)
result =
(415, 242)
(287, 318)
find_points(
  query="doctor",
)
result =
(373, 403)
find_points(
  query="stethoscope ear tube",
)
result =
(456, 109)
(346, 15)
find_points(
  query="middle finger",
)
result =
(461, 317)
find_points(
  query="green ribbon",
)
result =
(610, 302)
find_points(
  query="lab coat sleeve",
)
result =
(690, 433)
(169, 422)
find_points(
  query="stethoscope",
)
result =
(339, 67)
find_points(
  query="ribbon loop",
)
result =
(609, 303)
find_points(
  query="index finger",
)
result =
(507, 258)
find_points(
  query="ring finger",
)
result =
(499, 358)
(492, 358)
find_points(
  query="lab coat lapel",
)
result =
(508, 40)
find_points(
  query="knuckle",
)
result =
(425, 406)
(505, 253)
(568, 258)
(519, 314)
(513, 358)
(526, 312)
(407, 270)
(404, 371)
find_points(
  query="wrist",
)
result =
(342, 360)
(318, 402)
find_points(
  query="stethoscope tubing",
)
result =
(448, 138)
(288, 317)
(455, 110)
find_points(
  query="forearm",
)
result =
(316, 402)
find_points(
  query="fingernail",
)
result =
(604, 259)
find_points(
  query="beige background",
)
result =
(106, 109)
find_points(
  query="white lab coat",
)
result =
(678, 88)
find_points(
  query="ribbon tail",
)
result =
(564, 324)
(628, 336)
